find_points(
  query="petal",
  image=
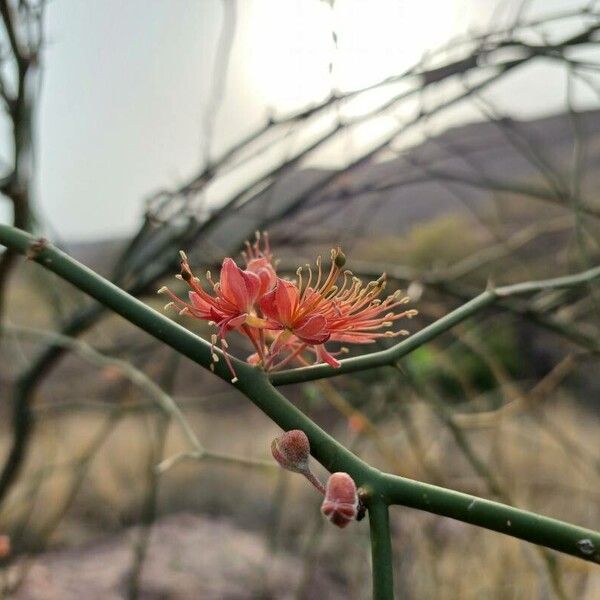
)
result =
(313, 330)
(234, 322)
(286, 296)
(268, 306)
(324, 356)
(237, 286)
(201, 305)
(280, 303)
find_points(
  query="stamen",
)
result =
(178, 276)
(310, 275)
(183, 256)
(209, 279)
(163, 290)
(320, 273)
(184, 310)
(169, 305)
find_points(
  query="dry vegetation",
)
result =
(454, 415)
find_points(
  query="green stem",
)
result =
(522, 524)
(381, 551)
(389, 489)
(252, 381)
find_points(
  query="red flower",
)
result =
(284, 319)
(287, 310)
(233, 303)
(231, 307)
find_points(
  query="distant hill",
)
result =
(465, 167)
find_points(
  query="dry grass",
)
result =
(436, 557)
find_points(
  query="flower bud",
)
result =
(340, 505)
(292, 451)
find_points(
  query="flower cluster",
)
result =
(287, 320)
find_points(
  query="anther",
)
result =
(339, 259)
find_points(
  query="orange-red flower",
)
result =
(285, 319)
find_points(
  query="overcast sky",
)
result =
(126, 85)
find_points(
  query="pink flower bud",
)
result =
(292, 450)
(341, 499)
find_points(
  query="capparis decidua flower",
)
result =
(285, 320)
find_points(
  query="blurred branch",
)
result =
(20, 108)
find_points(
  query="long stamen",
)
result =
(299, 276)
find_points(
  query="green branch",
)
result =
(381, 550)
(384, 488)
(391, 355)
(522, 524)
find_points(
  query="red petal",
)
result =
(280, 303)
(324, 356)
(200, 305)
(312, 330)
(237, 286)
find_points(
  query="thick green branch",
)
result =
(381, 551)
(522, 524)
(254, 383)
(393, 354)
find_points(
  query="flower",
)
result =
(232, 306)
(284, 320)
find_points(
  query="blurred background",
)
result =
(450, 143)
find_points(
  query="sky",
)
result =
(130, 98)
